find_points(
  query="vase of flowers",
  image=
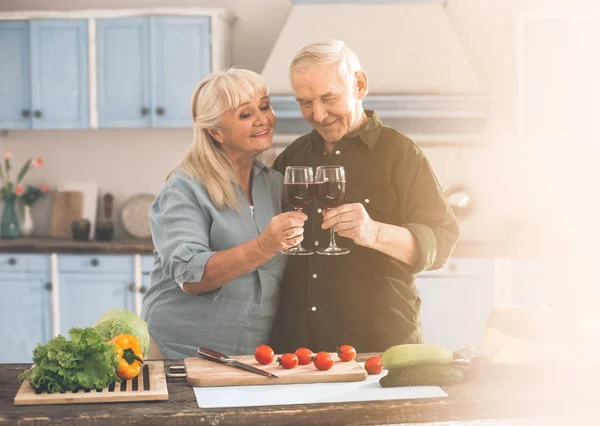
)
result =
(10, 222)
(28, 197)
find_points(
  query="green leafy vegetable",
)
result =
(84, 362)
(120, 321)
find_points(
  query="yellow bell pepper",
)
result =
(129, 349)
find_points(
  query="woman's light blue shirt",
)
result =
(187, 229)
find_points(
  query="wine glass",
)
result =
(331, 192)
(298, 191)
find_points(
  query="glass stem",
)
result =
(298, 246)
(332, 243)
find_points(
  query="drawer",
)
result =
(463, 267)
(24, 262)
(147, 262)
(91, 263)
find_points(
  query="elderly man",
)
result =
(396, 222)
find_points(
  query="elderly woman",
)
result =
(218, 229)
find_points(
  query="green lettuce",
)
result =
(84, 362)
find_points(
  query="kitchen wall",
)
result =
(126, 162)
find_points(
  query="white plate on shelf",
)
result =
(134, 215)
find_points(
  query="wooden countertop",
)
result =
(551, 397)
(131, 246)
(54, 245)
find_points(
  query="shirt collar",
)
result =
(369, 133)
(258, 166)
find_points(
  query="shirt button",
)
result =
(319, 210)
(367, 201)
(316, 243)
(315, 275)
(337, 152)
(314, 308)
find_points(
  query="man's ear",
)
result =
(361, 84)
(216, 135)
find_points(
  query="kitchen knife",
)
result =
(224, 359)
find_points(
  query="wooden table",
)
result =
(503, 396)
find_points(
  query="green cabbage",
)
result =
(121, 321)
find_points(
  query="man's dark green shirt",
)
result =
(366, 299)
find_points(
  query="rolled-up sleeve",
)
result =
(180, 232)
(428, 216)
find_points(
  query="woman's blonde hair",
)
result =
(205, 160)
(328, 52)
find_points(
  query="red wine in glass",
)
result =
(332, 194)
(298, 191)
(298, 195)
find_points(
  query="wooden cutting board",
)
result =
(67, 206)
(150, 385)
(202, 372)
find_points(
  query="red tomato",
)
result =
(373, 365)
(264, 354)
(323, 361)
(288, 360)
(346, 352)
(304, 356)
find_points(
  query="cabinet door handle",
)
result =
(37, 113)
(144, 111)
(48, 286)
(25, 113)
(160, 111)
(95, 262)
(131, 287)
(143, 289)
(12, 261)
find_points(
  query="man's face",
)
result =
(327, 103)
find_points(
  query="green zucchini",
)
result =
(423, 375)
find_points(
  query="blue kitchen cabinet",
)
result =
(124, 93)
(148, 68)
(44, 82)
(181, 47)
(147, 262)
(456, 302)
(15, 99)
(90, 285)
(25, 305)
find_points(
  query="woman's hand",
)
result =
(284, 231)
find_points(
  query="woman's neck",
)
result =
(242, 168)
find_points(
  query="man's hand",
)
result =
(352, 221)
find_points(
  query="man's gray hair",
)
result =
(328, 52)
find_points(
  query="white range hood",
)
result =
(420, 79)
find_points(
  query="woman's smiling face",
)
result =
(247, 129)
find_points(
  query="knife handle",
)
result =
(214, 355)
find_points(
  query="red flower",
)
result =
(44, 187)
(37, 162)
(19, 190)
(8, 155)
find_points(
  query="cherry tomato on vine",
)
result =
(264, 354)
(288, 360)
(304, 356)
(323, 361)
(346, 352)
